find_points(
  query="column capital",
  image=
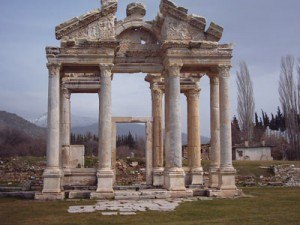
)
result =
(224, 70)
(66, 93)
(173, 67)
(214, 80)
(156, 90)
(54, 68)
(193, 93)
(106, 69)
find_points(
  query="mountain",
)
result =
(123, 129)
(13, 121)
(77, 121)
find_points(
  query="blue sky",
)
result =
(262, 31)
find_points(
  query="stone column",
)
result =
(65, 127)
(227, 172)
(149, 153)
(158, 163)
(114, 148)
(214, 132)
(53, 173)
(105, 174)
(167, 131)
(194, 137)
(175, 176)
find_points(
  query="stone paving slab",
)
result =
(130, 207)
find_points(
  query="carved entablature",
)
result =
(177, 24)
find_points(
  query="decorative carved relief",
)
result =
(100, 29)
(174, 29)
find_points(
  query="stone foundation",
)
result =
(158, 177)
(175, 179)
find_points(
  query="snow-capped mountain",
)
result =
(76, 121)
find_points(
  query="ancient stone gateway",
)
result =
(175, 50)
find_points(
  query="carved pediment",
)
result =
(177, 24)
(97, 24)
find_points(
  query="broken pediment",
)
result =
(177, 24)
(97, 24)
(173, 23)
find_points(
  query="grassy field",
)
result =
(267, 206)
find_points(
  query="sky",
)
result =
(262, 31)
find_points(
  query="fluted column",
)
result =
(175, 175)
(53, 174)
(158, 158)
(65, 127)
(105, 173)
(194, 140)
(227, 172)
(167, 131)
(214, 131)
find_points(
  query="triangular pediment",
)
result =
(177, 24)
(77, 24)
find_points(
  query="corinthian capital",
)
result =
(214, 80)
(224, 71)
(157, 93)
(193, 94)
(66, 93)
(54, 68)
(173, 67)
(106, 69)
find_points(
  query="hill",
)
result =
(19, 137)
(15, 122)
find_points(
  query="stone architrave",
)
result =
(105, 173)
(194, 137)
(215, 131)
(53, 173)
(158, 158)
(227, 172)
(175, 175)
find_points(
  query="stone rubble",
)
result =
(130, 207)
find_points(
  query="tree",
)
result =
(289, 94)
(246, 104)
(236, 131)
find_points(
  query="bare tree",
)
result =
(290, 101)
(246, 105)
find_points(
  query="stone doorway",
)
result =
(148, 144)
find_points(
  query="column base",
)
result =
(52, 180)
(158, 177)
(175, 179)
(227, 179)
(213, 178)
(105, 179)
(197, 176)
